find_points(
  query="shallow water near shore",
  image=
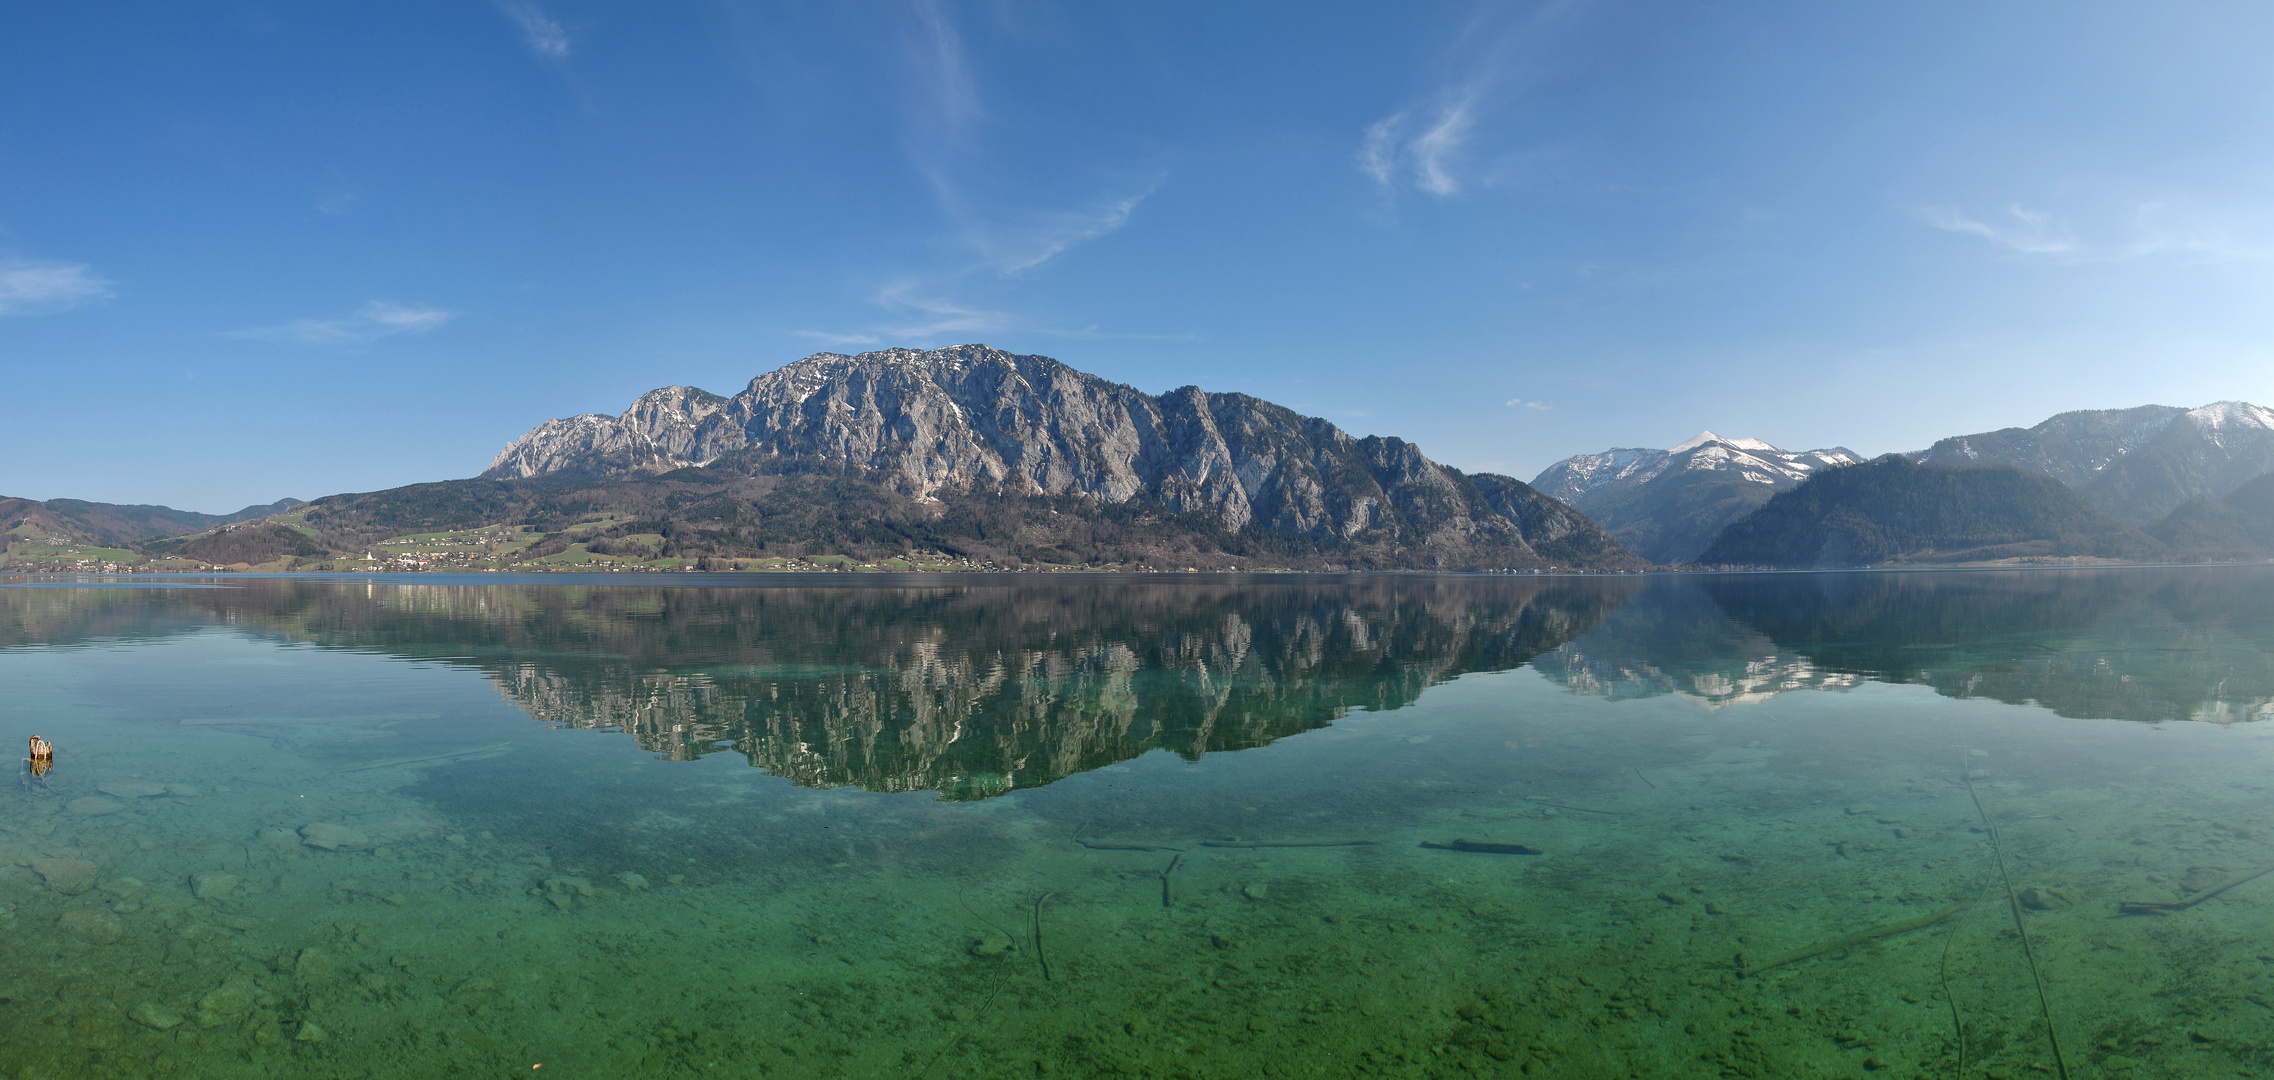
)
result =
(1791, 825)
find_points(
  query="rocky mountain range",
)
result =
(1667, 505)
(2144, 468)
(971, 457)
(929, 430)
(2135, 465)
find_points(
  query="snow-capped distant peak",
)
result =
(2226, 414)
(1705, 438)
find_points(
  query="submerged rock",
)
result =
(126, 888)
(563, 891)
(2037, 899)
(157, 1016)
(332, 837)
(230, 1001)
(131, 789)
(96, 925)
(990, 948)
(213, 886)
(315, 963)
(67, 876)
(92, 806)
(310, 1033)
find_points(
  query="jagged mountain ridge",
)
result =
(2135, 465)
(971, 418)
(1667, 505)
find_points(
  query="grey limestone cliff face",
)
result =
(973, 417)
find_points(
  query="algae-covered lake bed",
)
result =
(1950, 824)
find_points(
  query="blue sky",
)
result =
(250, 250)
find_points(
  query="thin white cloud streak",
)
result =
(2030, 232)
(1427, 145)
(1393, 152)
(953, 92)
(371, 322)
(946, 135)
(949, 316)
(1003, 253)
(1435, 151)
(543, 35)
(1378, 153)
(827, 338)
(1069, 231)
(35, 287)
(2156, 229)
(1520, 402)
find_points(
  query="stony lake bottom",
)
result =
(1783, 825)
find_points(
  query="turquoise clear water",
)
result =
(1791, 825)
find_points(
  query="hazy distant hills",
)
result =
(2136, 465)
(2238, 526)
(1668, 505)
(1003, 457)
(2159, 477)
(110, 524)
(1894, 511)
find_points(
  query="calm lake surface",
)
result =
(1775, 825)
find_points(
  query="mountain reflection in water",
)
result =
(974, 687)
(2183, 643)
(971, 689)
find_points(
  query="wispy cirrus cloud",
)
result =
(1426, 152)
(934, 315)
(1011, 250)
(1427, 145)
(2019, 229)
(827, 338)
(371, 322)
(999, 222)
(2164, 227)
(541, 32)
(39, 287)
(1521, 403)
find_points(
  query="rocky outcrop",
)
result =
(973, 418)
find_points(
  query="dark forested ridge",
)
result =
(2239, 526)
(1893, 510)
(251, 543)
